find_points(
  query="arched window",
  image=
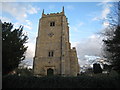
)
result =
(50, 53)
(52, 23)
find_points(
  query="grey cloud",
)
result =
(91, 47)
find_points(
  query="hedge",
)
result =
(98, 81)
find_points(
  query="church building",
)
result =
(53, 54)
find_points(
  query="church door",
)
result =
(49, 72)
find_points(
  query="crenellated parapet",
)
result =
(53, 14)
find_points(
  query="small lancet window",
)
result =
(52, 23)
(50, 53)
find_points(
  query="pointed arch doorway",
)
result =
(50, 72)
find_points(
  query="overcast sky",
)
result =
(85, 21)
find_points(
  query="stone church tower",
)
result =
(53, 55)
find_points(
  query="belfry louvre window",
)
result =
(52, 23)
(50, 53)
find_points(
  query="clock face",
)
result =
(50, 34)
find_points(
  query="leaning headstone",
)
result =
(97, 68)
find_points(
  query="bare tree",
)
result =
(111, 37)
